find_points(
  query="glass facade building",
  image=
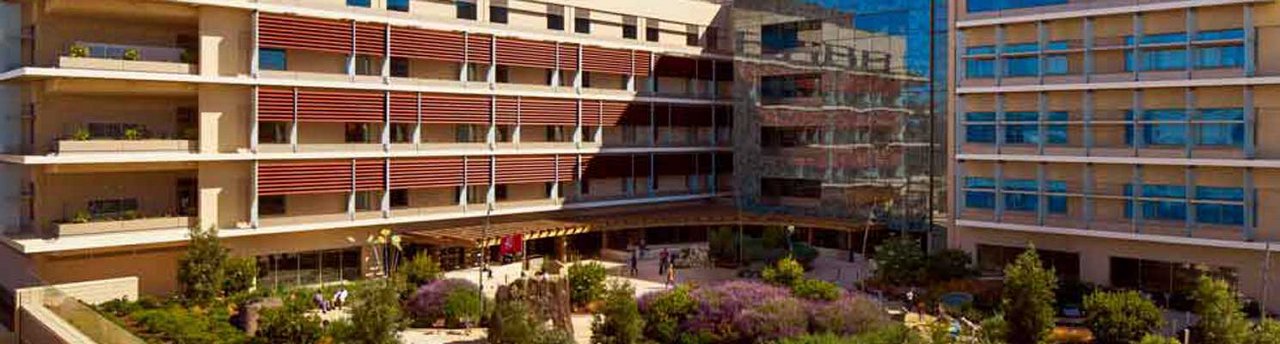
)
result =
(837, 116)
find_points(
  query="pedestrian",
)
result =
(671, 276)
(340, 298)
(320, 302)
(635, 263)
(662, 263)
(911, 299)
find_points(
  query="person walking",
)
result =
(635, 263)
(662, 262)
(671, 275)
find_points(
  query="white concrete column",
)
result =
(253, 195)
(386, 188)
(254, 53)
(293, 125)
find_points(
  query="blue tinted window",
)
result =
(397, 5)
(1055, 65)
(1021, 202)
(1220, 134)
(979, 183)
(980, 199)
(1020, 185)
(980, 116)
(974, 6)
(1057, 45)
(980, 134)
(1220, 35)
(1214, 193)
(1159, 209)
(1166, 59)
(1223, 214)
(1220, 57)
(272, 59)
(359, 3)
(1021, 116)
(980, 68)
(1021, 48)
(981, 50)
(1022, 66)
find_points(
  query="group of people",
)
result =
(339, 298)
(666, 265)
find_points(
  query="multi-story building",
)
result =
(297, 128)
(1127, 140)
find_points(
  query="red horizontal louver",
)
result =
(643, 63)
(568, 167)
(371, 39)
(370, 174)
(340, 106)
(506, 110)
(421, 173)
(404, 107)
(275, 104)
(677, 67)
(479, 48)
(477, 170)
(522, 53)
(525, 169)
(623, 113)
(305, 177)
(603, 60)
(289, 32)
(548, 111)
(428, 44)
(592, 113)
(455, 109)
(675, 164)
(568, 56)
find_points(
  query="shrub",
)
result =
(786, 272)
(719, 307)
(133, 134)
(586, 282)
(816, 289)
(849, 315)
(723, 244)
(428, 304)
(131, 54)
(201, 270)
(896, 334)
(664, 311)
(376, 317)
(1266, 332)
(1028, 299)
(177, 324)
(992, 330)
(551, 266)
(1121, 317)
(772, 319)
(78, 51)
(240, 273)
(899, 261)
(462, 308)
(619, 322)
(946, 265)
(420, 270)
(1157, 339)
(82, 134)
(514, 323)
(1221, 321)
(287, 325)
(804, 253)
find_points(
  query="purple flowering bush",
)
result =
(427, 305)
(720, 306)
(773, 319)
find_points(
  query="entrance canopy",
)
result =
(474, 232)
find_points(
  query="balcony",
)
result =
(125, 146)
(102, 226)
(127, 58)
(89, 200)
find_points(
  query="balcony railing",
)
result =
(134, 58)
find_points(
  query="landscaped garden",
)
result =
(913, 297)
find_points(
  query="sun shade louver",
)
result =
(304, 177)
(429, 44)
(419, 173)
(290, 32)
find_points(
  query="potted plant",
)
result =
(131, 54)
(78, 51)
(80, 217)
(186, 56)
(81, 134)
(132, 134)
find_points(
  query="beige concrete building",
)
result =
(298, 127)
(1130, 141)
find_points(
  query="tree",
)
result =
(288, 325)
(899, 261)
(240, 273)
(1121, 317)
(1266, 332)
(376, 317)
(619, 322)
(420, 270)
(664, 311)
(586, 282)
(514, 323)
(786, 272)
(816, 289)
(1028, 299)
(992, 330)
(946, 265)
(1157, 339)
(1221, 320)
(201, 270)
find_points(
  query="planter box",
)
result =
(100, 227)
(72, 146)
(124, 65)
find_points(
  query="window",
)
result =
(271, 205)
(1220, 57)
(497, 13)
(558, 133)
(359, 3)
(691, 36)
(399, 198)
(113, 209)
(400, 67)
(589, 133)
(470, 133)
(502, 74)
(1157, 60)
(629, 27)
(798, 188)
(273, 132)
(586, 79)
(359, 133)
(365, 201)
(1027, 129)
(581, 21)
(651, 30)
(974, 6)
(365, 65)
(781, 37)
(397, 5)
(585, 186)
(1224, 127)
(401, 133)
(1164, 202)
(272, 59)
(477, 194)
(466, 9)
(1227, 209)
(500, 192)
(1213, 127)
(777, 88)
(980, 193)
(1020, 195)
(555, 17)
(982, 68)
